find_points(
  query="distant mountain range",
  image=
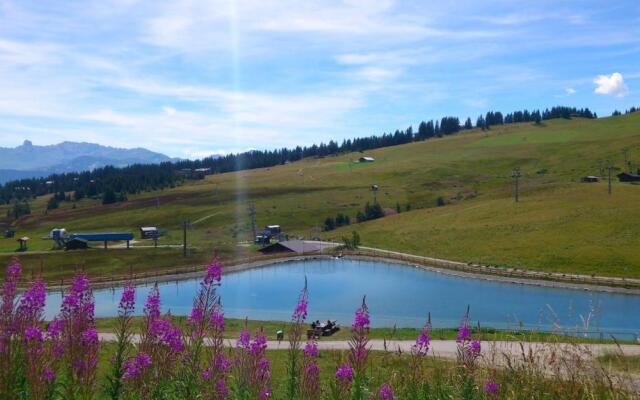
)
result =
(29, 160)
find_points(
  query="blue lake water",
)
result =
(396, 294)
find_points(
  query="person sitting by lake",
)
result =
(328, 326)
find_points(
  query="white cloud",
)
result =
(195, 76)
(611, 85)
(570, 91)
(480, 104)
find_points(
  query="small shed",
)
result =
(148, 232)
(23, 243)
(77, 244)
(273, 229)
(366, 159)
(590, 179)
(628, 177)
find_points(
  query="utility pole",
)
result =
(609, 168)
(185, 225)
(374, 189)
(627, 164)
(252, 216)
(516, 176)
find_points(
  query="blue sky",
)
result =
(191, 78)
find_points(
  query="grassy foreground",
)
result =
(621, 363)
(442, 378)
(559, 225)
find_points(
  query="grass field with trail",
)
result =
(233, 327)
(560, 224)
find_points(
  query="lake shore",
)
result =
(415, 261)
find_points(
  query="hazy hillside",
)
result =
(29, 160)
(560, 224)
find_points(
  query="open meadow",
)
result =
(560, 224)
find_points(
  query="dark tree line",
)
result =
(629, 111)
(114, 184)
(340, 220)
(94, 184)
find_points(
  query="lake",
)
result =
(396, 294)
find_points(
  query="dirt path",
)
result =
(444, 348)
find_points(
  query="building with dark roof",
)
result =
(298, 246)
(76, 244)
(628, 177)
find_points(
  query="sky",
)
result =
(192, 78)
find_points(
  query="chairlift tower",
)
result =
(185, 224)
(609, 169)
(374, 190)
(252, 216)
(516, 177)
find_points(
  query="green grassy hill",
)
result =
(560, 224)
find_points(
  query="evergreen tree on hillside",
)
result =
(109, 197)
(468, 124)
(422, 130)
(480, 123)
(53, 203)
(329, 224)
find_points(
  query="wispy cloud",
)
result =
(194, 77)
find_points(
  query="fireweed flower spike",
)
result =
(79, 337)
(358, 344)
(385, 392)
(359, 339)
(120, 371)
(344, 381)
(157, 354)
(418, 353)
(311, 349)
(7, 328)
(252, 369)
(127, 300)
(310, 374)
(214, 273)
(298, 318)
(152, 304)
(344, 374)
(421, 348)
(468, 350)
(491, 388)
(204, 312)
(31, 307)
(37, 373)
